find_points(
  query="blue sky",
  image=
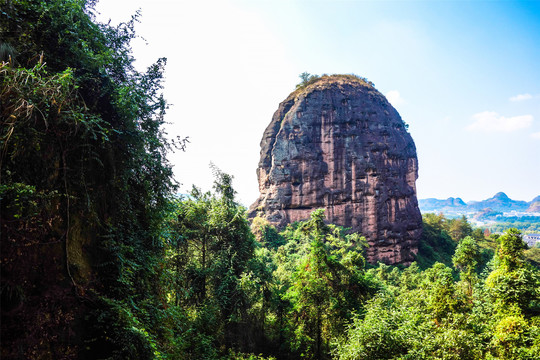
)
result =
(465, 75)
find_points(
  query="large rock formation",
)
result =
(338, 144)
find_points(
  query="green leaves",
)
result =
(81, 134)
(467, 255)
(428, 315)
(327, 285)
(213, 262)
(510, 250)
(513, 281)
(307, 79)
(466, 259)
(515, 338)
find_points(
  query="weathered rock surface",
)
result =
(338, 144)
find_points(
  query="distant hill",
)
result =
(486, 214)
(534, 205)
(500, 202)
(433, 204)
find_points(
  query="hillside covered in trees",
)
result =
(497, 213)
(99, 259)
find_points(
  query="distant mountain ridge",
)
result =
(436, 204)
(499, 202)
(535, 205)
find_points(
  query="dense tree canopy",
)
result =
(84, 183)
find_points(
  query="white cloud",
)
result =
(395, 97)
(490, 121)
(536, 135)
(521, 97)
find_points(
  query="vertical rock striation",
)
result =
(338, 144)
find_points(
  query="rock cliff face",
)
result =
(338, 144)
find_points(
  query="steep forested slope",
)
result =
(84, 183)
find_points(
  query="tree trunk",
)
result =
(318, 351)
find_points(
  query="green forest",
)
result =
(101, 260)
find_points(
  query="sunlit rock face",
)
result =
(338, 144)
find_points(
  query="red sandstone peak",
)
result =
(338, 144)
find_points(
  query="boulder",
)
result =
(338, 144)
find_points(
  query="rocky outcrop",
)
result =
(338, 144)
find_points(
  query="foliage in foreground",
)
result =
(307, 294)
(429, 315)
(84, 186)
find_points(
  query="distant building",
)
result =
(531, 239)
